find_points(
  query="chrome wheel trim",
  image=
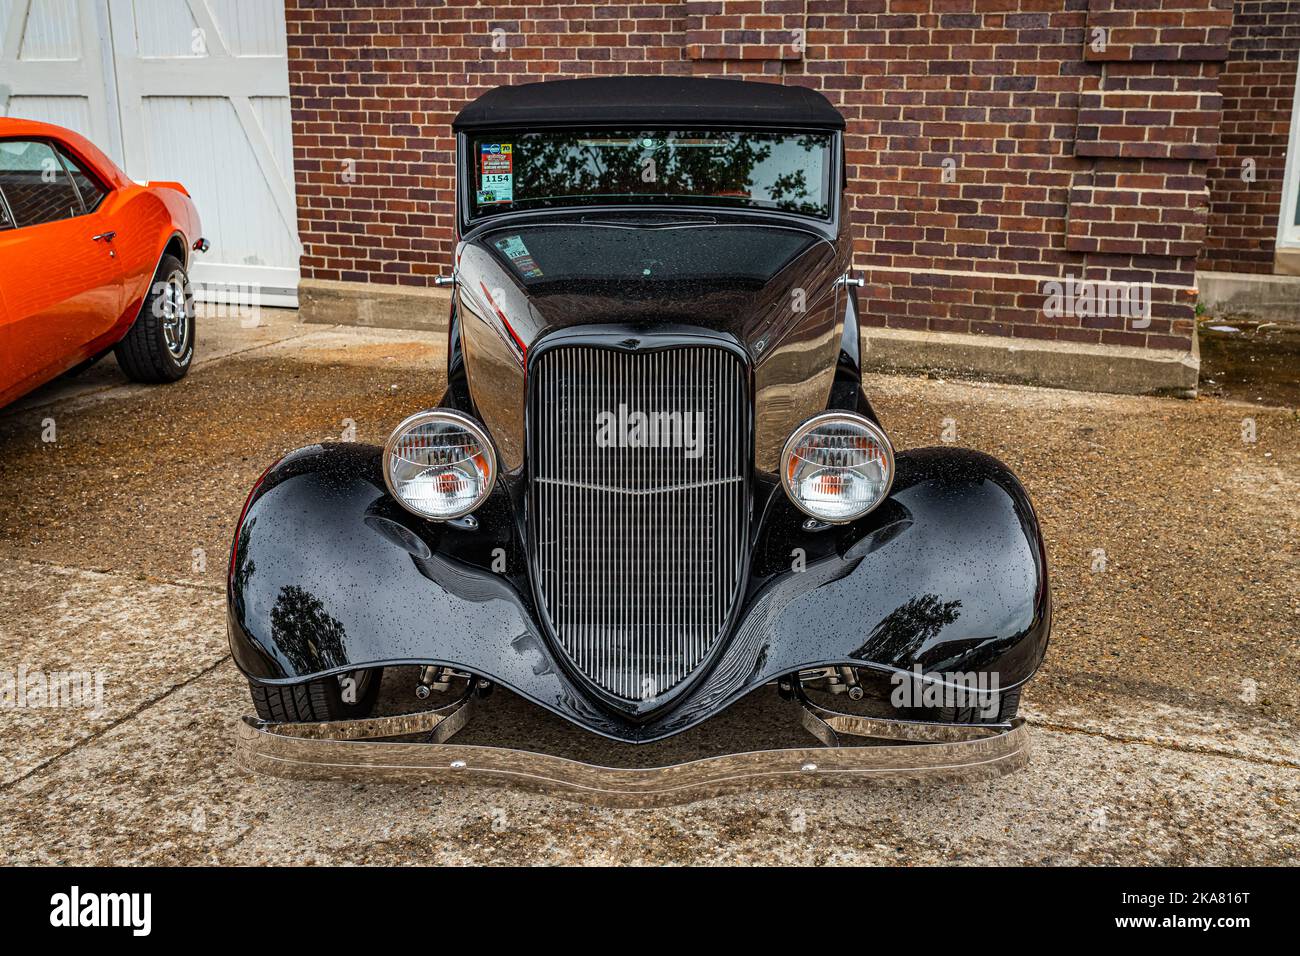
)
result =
(175, 315)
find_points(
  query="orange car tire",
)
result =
(159, 346)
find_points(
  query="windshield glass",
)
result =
(764, 170)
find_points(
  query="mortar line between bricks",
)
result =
(1166, 745)
(111, 726)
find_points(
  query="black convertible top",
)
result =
(683, 101)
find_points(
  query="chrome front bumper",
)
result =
(363, 750)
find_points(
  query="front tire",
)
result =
(159, 346)
(1008, 705)
(326, 698)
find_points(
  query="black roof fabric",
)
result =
(649, 101)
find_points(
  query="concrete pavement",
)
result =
(1166, 714)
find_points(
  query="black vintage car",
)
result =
(654, 484)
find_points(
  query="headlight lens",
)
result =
(837, 467)
(439, 464)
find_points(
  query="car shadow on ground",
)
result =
(759, 721)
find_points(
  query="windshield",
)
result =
(764, 170)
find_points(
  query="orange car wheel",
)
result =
(160, 344)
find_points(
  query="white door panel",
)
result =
(56, 66)
(241, 215)
(198, 82)
(72, 112)
(1288, 223)
(195, 91)
(52, 31)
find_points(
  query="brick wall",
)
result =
(1258, 88)
(994, 145)
(375, 87)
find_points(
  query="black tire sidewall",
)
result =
(166, 267)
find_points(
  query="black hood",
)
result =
(715, 273)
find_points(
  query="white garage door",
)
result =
(1288, 226)
(190, 90)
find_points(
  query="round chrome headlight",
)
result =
(439, 464)
(837, 466)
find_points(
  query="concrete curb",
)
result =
(1122, 369)
(327, 302)
(1274, 298)
(1286, 261)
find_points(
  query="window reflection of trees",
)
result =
(552, 167)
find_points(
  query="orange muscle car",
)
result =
(89, 261)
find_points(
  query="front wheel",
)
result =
(349, 696)
(159, 346)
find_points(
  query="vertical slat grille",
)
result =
(638, 467)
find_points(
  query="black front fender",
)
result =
(329, 574)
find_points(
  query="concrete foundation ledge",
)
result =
(327, 302)
(1286, 261)
(1267, 297)
(1092, 368)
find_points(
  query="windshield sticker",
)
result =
(513, 248)
(496, 166)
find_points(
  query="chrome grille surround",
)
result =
(638, 537)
